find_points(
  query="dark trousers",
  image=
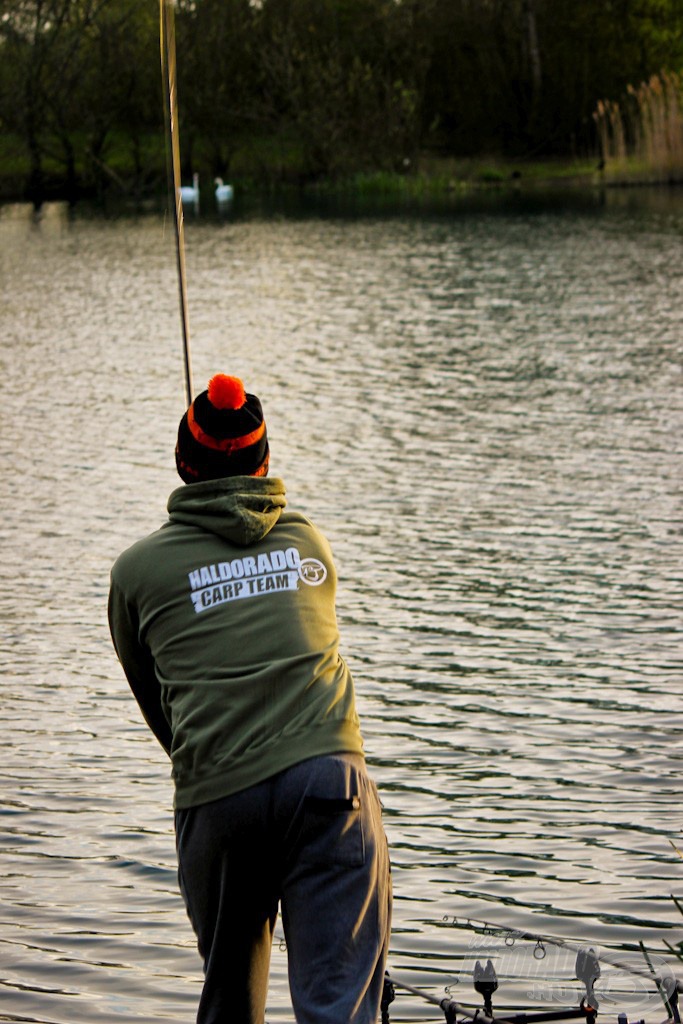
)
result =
(310, 839)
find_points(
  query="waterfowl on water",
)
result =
(190, 193)
(224, 193)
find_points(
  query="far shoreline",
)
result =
(432, 179)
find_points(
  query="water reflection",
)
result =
(480, 409)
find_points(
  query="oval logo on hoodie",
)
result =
(312, 571)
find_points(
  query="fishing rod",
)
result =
(486, 983)
(169, 84)
(486, 927)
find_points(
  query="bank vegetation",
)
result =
(303, 91)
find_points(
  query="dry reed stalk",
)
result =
(674, 98)
(645, 137)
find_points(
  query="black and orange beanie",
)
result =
(223, 433)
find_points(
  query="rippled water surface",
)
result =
(482, 408)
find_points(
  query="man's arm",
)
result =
(138, 665)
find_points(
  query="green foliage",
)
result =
(300, 90)
(335, 73)
(73, 72)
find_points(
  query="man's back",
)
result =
(244, 639)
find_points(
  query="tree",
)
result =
(28, 31)
(73, 70)
(343, 76)
(217, 71)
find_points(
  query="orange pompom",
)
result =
(226, 392)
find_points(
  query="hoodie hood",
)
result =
(242, 509)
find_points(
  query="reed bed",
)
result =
(641, 137)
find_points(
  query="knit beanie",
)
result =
(223, 433)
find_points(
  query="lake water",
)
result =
(482, 407)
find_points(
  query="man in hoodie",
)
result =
(224, 622)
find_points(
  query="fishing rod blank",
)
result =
(486, 927)
(452, 1009)
(169, 82)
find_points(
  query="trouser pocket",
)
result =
(332, 831)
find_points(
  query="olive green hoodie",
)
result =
(224, 622)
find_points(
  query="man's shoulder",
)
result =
(144, 550)
(303, 531)
(299, 522)
(293, 516)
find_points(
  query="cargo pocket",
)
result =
(332, 831)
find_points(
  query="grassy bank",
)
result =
(274, 165)
(439, 177)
